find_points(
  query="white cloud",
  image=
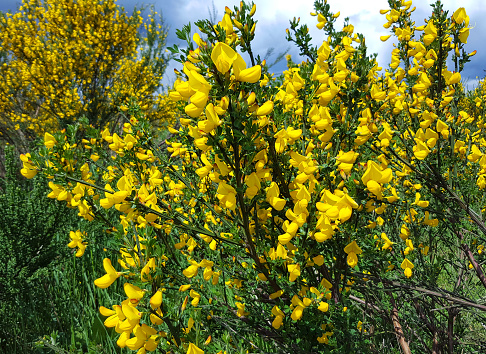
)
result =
(273, 18)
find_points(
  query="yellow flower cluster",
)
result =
(297, 192)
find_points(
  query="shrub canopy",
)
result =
(61, 60)
(337, 208)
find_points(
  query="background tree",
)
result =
(61, 60)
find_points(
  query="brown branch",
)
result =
(435, 344)
(461, 272)
(450, 329)
(419, 338)
(475, 264)
(245, 210)
(398, 328)
(277, 172)
(470, 255)
(446, 296)
(423, 290)
(421, 314)
(464, 206)
(365, 303)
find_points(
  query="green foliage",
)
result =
(27, 249)
(46, 299)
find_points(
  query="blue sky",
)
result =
(274, 15)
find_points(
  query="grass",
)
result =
(48, 302)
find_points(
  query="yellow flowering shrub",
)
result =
(338, 208)
(64, 59)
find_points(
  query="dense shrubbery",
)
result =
(28, 248)
(43, 291)
(337, 209)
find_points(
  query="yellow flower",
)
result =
(133, 292)
(226, 195)
(156, 300)
(212, 120)
(145, 336)
(421, 151)
(49, 140)
(294, 270)
(442, 127)
(375, 188)
(453, 79)
(253, 10)
(226, 24)
(113, 197)
(265, 108)
(420, 203)
(321, 21)
(337, 206)
(377, 94)
(276, 295)
(28, 170)
(345, 160)
(149, 267)
(352, 250)
(407, 267)
(241, 309)
(375, 173)
(463, 34)
(115, 316)
(325, 231)
(197, 38)
(77, 240)
(323, 306)
(195, 297)
(273, 193)
(430, 33)
(184, 303)
(110, 276)
(194, 349)
(460, 16)
(251, 75)
(191, 271)
(279, 316)
(297, 313)
(253, 183)
(387, 243)
(185, 287)
(223, 56)
(193, 111)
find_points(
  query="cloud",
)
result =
(273, 18)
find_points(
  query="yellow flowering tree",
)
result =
(61, 60)
(337, 209)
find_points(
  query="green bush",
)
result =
(29, 237)
(43, 287)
